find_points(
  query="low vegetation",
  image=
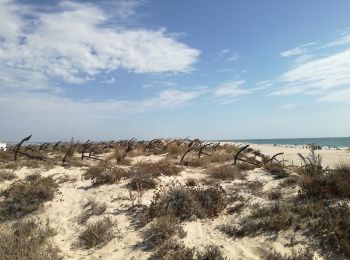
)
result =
(7, 175)
(211, 252)
(305, 254)
(163, 167)
(184, 202)
(162, 229)
(97, 234)
(104, 173)
(226, 172)
(28, 240)
(277, 170)
(172, 249)
(23, 197)
(92, 208)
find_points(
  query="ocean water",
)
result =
(327, 141)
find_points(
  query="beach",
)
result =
(244, 190)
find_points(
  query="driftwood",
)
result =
(18, 146)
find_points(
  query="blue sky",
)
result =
(137, 68)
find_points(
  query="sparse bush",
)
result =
(5, 156)
(236, 208)
(275, 195)
(246, 166)
(162, 229)
(211, 252)
(143, 181)
(185, 202)
(191, 182)
(104, 174)
(226, 172)
(292, 180)
(327, 184)
(23, 197)
(219, 157)
(277, 170)
(271, 254)
(173, 250)
(92, 208)
(255, 187)
(97, 234)
(156, 169)
(28, 240)
(274, 218)
(7, 175)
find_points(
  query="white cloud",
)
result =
(76, 41)
(291, 105)
(293, 52)
(317, 76)
(337, 96)
(232, 91)
(227, 55)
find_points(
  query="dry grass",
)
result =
(28, 240)
(162, 229)
(211, 252)
(185, 202)
(23, 197)
(97, 234)
(172, 250)
(103, 173)
(277, 170)
(92, 208)
(142, 181)
(7, 175)
(225, 172)
(275, 195)
(325, 184)
(156, 169)
(5, 156)
(271, 254)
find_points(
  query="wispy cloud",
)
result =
(291, 106)
(232, 91)
(75, 42)
(337, 96)
(227, 55)
(300, 50)
(327, 75)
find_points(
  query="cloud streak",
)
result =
(75, 42)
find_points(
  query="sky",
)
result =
(242, 69)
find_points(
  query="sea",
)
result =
(340, 142)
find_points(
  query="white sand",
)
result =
(63, 211)
(330, 158)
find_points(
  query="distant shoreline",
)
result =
(327, 142)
